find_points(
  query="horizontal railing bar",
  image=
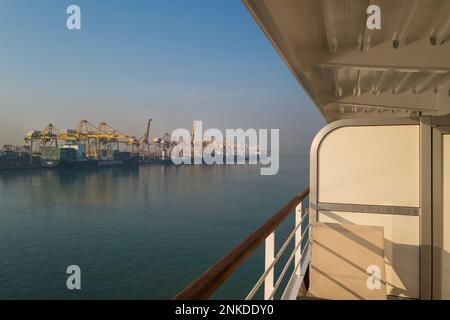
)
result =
(283, 248)
(283, 273)
(307, 244)
(264, 275)
(204, 286)
(299, 265)
(280, 253)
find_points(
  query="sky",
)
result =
(174, 61)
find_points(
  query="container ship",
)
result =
(13, 157)
(74, 157)
(94, 146)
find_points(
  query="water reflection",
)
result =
(142, 233)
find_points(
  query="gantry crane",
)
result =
(95, 138)
(144, 142)
(44, 138)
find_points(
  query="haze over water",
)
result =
(143, 233)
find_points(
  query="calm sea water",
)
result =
(136, 234)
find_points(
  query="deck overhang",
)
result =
(349, 71)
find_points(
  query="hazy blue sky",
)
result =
(173, 61)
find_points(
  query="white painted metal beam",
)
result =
(399, 35)
(400, 85)
(329, 28)
(412, 58)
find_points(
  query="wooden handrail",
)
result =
(205, 285)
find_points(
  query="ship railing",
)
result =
(210, 281)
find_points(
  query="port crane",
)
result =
(43, 138)
(164, 144)
(96, 138)
(144, 142)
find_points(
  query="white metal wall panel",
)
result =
(375, 165)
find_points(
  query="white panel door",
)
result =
(441, 213)
(445, 228)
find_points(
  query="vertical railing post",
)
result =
(298, 238)
(269, 258)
